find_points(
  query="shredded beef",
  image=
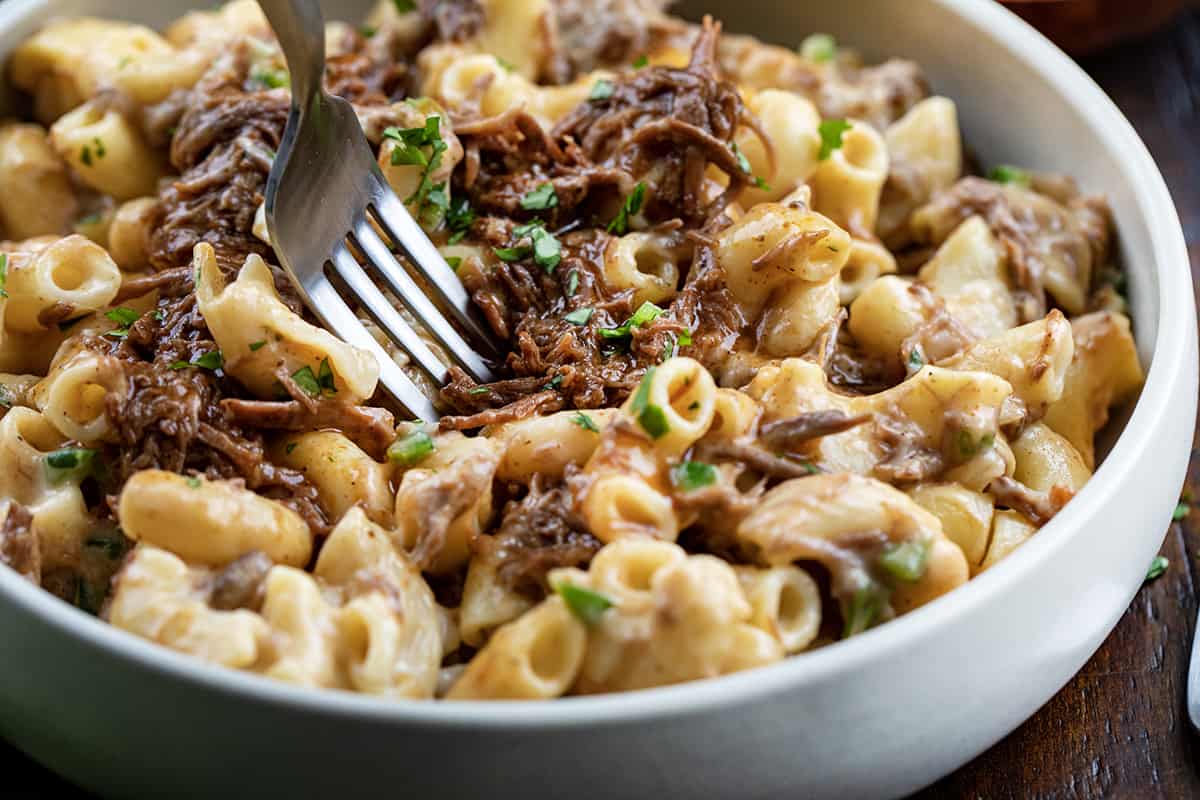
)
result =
(587, 34)
(538, 533)
(371, 428)
(170, 417)
(19, 549)
(240, 583)
(1038, 507)
(1033, 229)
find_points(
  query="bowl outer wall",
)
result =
(878, 716)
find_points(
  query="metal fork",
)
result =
(327, 200)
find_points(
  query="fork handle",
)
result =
(300, 29)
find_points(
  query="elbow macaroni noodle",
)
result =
(883, 375)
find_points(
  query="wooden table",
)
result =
(1120, 728)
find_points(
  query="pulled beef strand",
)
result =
(19, 548)
(538, 533)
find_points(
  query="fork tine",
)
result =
(409, 237)
(400, 282)
(385, 314)
(337, 316)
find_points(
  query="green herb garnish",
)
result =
(405, 6)
(193, 482)
(290, 447)
(650, 416)
(916, 359)
(71, 464)
(211, 360)
(640, 61)
(831, 132)
(584, 421)
(1181, 511)
(905, 561)
(511, 254)
(629, 208)
(479, 390)
(1157, 567)
(819, 47)
(408, 150)
(3, 274)
(601, 90)
(579, 316)
(688, 476)
(459, 217)
(124, 317)
(258, 345)
(864, 609)
(589, 606)
(969, 446)
(646, 313)
(412, 449)
(270, 77)
(1006, 173)
(540, 199)
(572, 282)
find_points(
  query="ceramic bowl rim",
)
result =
(1168, 370)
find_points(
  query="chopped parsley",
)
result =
(629, 208)
(124, 317)
(744, 165)
(97, 147)
(368, 31)
(540, 199)
(404, 6)
(1157, 567)
(650, 416)
(459, 217)
(969, 446)
(270, 77)
(916, 359)
(687, 476)
(505, 64)
(579, 316)
(479, 390)
(193, 482)
(601, 90)
(411, 449)
(640, 61)
(864, 609)
(261, 343)
(318, 383)
(6, 398)
(211, 360)
(831, 132)
(572, 282)
(905, 561)
(1006, 173)
(3, 274)
(584, 421)
(290, 447)
(408, 151)
(71, 464)
(646, 313)
(589, 606)
(511, 254)
(545, 248)
(1181, 511)
(454, 261)
(819, 47)
(554, 382)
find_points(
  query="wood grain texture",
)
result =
(1120, 728)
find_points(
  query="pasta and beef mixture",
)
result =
(782, 362)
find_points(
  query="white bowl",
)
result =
(880, 715)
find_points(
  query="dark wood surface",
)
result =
(1120, 728)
